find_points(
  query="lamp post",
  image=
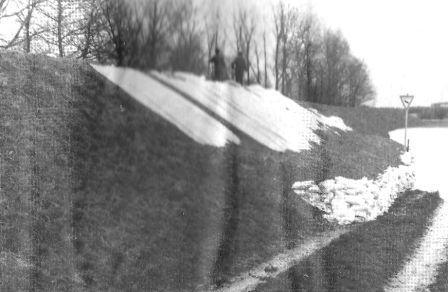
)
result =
(406, 100)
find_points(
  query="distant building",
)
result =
(440, 104)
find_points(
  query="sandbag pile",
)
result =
(347, 200)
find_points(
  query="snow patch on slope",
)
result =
(190, 119)
(206, 110)
(265, 115)
(332, 121)
(347, 200)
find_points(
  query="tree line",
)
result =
(290, 50)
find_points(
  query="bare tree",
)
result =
(284, 44)
(90, 28)
(115, 13)
(257, 70)
(157, 26)
(265, 60)
(124, 30)
(316, 66)
(278, 30)
(310, 50)
(248, 33)
(295, 44)
(280, 19)
(214, 30)
(186, 52)
(304, 45)
(238, 30)
(139, 34)
(284, 20)
(3, 6)
(244, 30)
(23, 12)
(60, 31)
(25, 18)
(358, 85)
(336, 52)
(93, 38)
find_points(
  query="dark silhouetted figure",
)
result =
(239, 65)
(219, 66)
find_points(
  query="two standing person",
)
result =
(219, 66)
(239, 66)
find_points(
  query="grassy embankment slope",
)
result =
(441, 281)
(99, 193)
(371, 121)
(366, 258)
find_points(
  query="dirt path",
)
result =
(429, 146)
(281, 263)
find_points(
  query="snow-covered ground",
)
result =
(191, 103)
(430, 146)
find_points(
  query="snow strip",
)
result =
(202, 109)
(280, 263)
(186, 116)
(333, 121)
(420, 271)
(347, 200)
(265, 115)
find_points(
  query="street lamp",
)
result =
(406, 100)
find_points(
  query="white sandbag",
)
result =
(353, 192)
(354, 200)
(300, 192)
(327, 185)
(314, 189)
(348, 200)
(303, 184)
